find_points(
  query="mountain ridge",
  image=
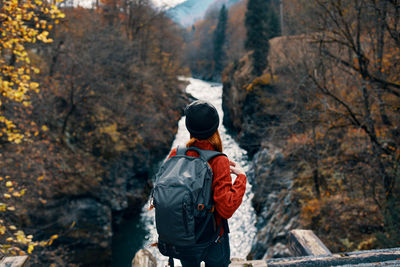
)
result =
(188, 12)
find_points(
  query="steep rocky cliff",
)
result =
(254, 107)
(235, 78)
(84, 192)
(250, 105)
(92, 217)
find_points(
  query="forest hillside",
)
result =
(207, 53)
(90, 100)
(78, 146)
(322, 121)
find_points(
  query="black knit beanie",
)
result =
(202, 119)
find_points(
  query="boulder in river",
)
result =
(144, 258)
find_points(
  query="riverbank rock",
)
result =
(271, 175)
(144, 258)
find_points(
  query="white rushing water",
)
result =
(241, 224)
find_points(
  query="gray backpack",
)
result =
(183, 201)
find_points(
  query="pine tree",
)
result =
(262, 24)
(219, 41)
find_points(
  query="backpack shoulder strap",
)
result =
(171, 261)
(210, 154)
(206, 155)
(181, 151)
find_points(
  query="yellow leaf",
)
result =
(7, 195)
(30, 248)
(9, 184)
(3, 207)
(16, 194)
(54, 237)
(43, 243)
(33, 85)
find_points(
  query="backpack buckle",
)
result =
(200, 207)
(212, 209)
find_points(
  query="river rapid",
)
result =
(142, 232)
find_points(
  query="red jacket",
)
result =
(227, 196)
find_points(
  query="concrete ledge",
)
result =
(306, 243)
(17, 261)
(245, 263)
(384, 257)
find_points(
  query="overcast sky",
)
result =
(157, 3)
(166, 3)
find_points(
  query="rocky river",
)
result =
(141, 233)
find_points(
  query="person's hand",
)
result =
(235, 168)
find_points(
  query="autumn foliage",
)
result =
(329, 100)
(106, 111)
(23, 23)
(334, 110)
